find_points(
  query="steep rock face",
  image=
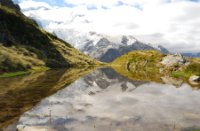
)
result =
(135, 46)
(111, 54)
(99, 49)
(163, 49)
(23, 45)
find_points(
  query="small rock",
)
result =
(194, 80)
(20, 127)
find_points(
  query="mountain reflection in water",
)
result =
(106, 101)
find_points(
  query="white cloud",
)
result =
(171, 23)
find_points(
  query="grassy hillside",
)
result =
(146, 65)
(24, 46)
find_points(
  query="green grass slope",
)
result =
(146, 65)
(24, 46)
(139, 65)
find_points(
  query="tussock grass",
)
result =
(192, 69)
(16, 59)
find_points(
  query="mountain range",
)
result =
(102, 47)
(191, 54)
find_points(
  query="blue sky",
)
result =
(60, 3)
(55, 2)
(65, 3)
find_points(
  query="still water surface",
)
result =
(106, 101)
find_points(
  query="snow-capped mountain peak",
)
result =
(102, 46)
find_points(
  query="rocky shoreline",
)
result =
(177, 62)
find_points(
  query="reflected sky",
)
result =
(106, 101)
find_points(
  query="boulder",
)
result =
(171, 60)
(194, 80)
